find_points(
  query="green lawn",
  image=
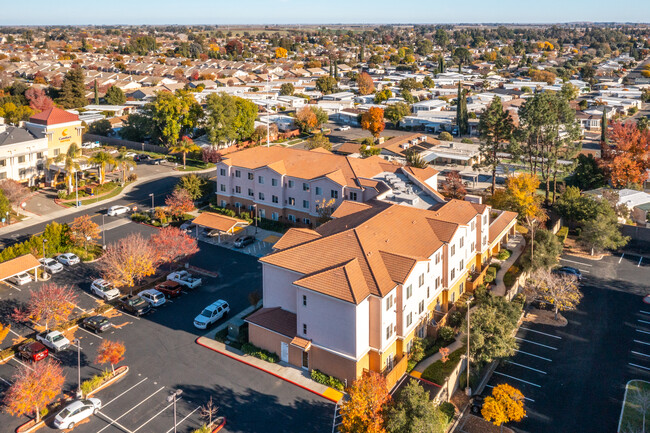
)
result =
(94, 200)
(632, 418)
(438, 371)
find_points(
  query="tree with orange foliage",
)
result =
(172, 244)
(365, 83)
(51, 303)
(306, 119)
(625, 155)
(444, 354)
(34, 387)
(4, 331)
(280, 53)
(179, 203)
(83, 230)
(453, 186)
(505, 404)
(128, 261)
(364, 411)
(373, 121)
(110, 352)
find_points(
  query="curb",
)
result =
(267, 371)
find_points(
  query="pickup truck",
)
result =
(54, 340)
(184, 278)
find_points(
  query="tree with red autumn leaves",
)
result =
(128, 261)
(38, 100)
(51, 303)
(364, 411)
(373, 121)
(83, 230)
(179, 203)
(172, 244)
(453, 187)
(110, 352)
(33, 388)
(626, 155)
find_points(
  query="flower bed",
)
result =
(107, 380)
(438, 371)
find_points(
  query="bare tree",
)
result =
(15, 191)
(561, 291)
(208, 411)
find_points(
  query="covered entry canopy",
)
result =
(18, 265)
(221, 223)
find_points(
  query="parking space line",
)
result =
(112, 421)
(639, 366)
(5, 381)
(129, 314)
(540, 332)
(14, 332)
(644, 321)
(573, 261)
(644, 312)
(91, 333)
(21, 363)
(643, 332)
(536, 356)
(115, 398)
(538, 344)
(525, 398)
(132, 409)
(155, 416)
(639, 264)
(520, 380)
(181, 422)
(642, 342)
(525, 366)
(639, 353)
(619, 260)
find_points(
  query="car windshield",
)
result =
(104, 287)
(136, 302)
(65, 413)
(206, 313)
(56, 338)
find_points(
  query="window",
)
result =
(461, 265)
(237, 204)
(262, 213)
(305, 186)
(260, 179)
(251, 208)
(222, 171)
(223, 203)
(453, 274)
(250, 192)
(274, 198)
(39, 155)
(274, 182)
(238, 189)
(353, 196)
(222, 187)
(291, 218)
(21, 159)
(428, 291)
(484, 240)
(304, 300)
(306, 221)
(428, 267)
(437, 258)
(484, 219)
(409, 319)
(453, 298)
(437, 283)
(319, 191)
(250, 176)
(56, 152)
(409, 291)
(292, 201)
(305, 204)
(334, 193)
(22, 173)
(453, 250)
(461, 288)
(274, 216)
(421, 307)
(261, 196)
(304, 328)
(473, 225)
(237, 173)
(389, 331)
(3, 162)
(389, 302)
(471, 247)
(421, 280)
(462, 242)
(291, 183)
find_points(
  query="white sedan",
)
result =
(75, 412)
(51, 265)
(68, 259)
(117, 210)
(20, 279)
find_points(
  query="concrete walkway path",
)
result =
(516, 244)
(422, 365)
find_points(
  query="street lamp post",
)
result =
(172, 398)
(78, 343)
(76, 189)
(103, 232)
(8, 218)
(255, 206)
(152, 206)
(468, 389)
(44, 240)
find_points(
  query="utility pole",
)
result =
(76, 188)
(468, 389)
(268, 110)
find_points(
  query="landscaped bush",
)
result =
(437, 371)
(88, 386)
(140, 217)
(203, 429)
(563, 233)
(322, 378)
(504, 254)
(446, 333)
(260, 353)
(511, 276)
(455, 319)
(448, 409)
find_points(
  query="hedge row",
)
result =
(331, 381)
(260, 353)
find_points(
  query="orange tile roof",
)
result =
(501, 223)
(301, 343)
(53, 116)
(345, 282)
(295, 236)
(399, 267)
(348, 207)
(217, 221)
(275, 319)
(349, 147)
(16, 266)
(395, 144)
(458, 211)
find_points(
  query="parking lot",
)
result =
(162, 356)
(574, 377)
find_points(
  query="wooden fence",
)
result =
(118, 142)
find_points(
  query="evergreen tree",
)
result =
(361, 53)
(115, 96)
(495, 127)
(73, 91)
(462, 117)
(441, 65)
(96, 92)
(603, 127)
(336, 70)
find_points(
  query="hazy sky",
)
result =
(14, 12)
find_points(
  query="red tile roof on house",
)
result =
(53, 116)
(504, 221)
(275, 319)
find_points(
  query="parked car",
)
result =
(156, 161)
(477, 404)
(51, 266)
(54, 340)
(153, 297)
(211, 314)
(186, 279)
(20, 279)
(33, 351)
(93, 145)
(569, 271)
(117, 210)
(134, 304)
(188, 226)
(171, 289)
(141, 157)
(68, 259)
(130, 154)
(242, 241)
(104, 289)
(344, 128)
(97, 324)
(76, 412)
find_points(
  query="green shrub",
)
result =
(467, 141)
(511, 276)
(519, 298)
(563, 233)
(203, 429)
(260, 353)
(140, 217)
(445, 136)
(322, 378)
(88, 386)
(446, 333)
(455, 319)
(448, 409)
(417, 350)
(438, 371)
(504, 254)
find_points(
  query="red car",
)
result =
(34, 351)
(171, 289)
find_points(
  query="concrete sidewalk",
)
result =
(422, 365)
(516, 244)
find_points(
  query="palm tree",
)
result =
(69, 164)
(102, 159)
(414, 159)
(46, 168)
(124, 162)
(185, 146)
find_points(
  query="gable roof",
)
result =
(295, 236)
(345, 282)
(17, 265)
(275, 319)
(216, 221)
(53, 116)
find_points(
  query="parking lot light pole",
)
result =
(151, 195)
(255, 206)
(76, 189)
(78, 343)
(103, 232)
(172, 398)
(44, 240)
(468, 389)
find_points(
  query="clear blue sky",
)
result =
(74, 12)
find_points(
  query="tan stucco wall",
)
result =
(62, 138)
